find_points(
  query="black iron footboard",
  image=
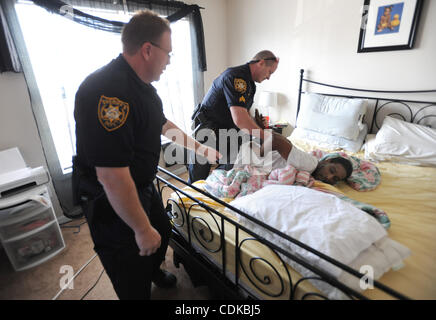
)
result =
(224, 278)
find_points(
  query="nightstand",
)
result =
(279, 128)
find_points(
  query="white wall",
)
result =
(321, 36)
(18, 126)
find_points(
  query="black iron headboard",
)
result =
(420, 112)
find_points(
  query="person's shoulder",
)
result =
(240, 71)
(105, 80)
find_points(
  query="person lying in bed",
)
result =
(330, 170)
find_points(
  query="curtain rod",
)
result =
(159, 2)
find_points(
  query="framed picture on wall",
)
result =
(389, 25)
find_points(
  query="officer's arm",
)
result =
(122, 194)
(244, 121)
(177, 135)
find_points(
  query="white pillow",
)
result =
(326, 141)
(325, 223)
(403, 142)
(341, 117)
(320, 220)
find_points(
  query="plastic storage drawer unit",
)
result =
(29, 230)
(35, 215)
(36, 248)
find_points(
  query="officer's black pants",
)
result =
(200, 171)
(115, 244)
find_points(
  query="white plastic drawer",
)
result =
(8, 204)
(36, 248)
(17, 211)
(24, 223)
(22, 208)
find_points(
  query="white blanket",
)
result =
(323, 222)
(249, 154)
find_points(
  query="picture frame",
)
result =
(389, 25)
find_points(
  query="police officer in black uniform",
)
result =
(226, 106)
(119, 122)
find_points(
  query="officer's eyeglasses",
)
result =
(170, 54)
(266, 59)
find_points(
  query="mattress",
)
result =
(406, 194)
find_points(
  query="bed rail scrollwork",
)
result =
(203, 231)
(266, 281)
(269, 276)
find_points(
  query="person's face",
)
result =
(161, 53)
(266, 71)
(329, 172)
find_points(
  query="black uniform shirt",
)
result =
(234, 87)
(119, 121)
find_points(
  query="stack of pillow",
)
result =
(331, 122)
(402, 142)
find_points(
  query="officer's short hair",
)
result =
(266, 55)
(144, 26)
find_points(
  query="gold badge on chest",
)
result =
(112, 112)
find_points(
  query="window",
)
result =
(62, 53)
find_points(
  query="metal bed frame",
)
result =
(225, 284)
(409, 114)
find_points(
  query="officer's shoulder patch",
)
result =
(240, 85)
(112, 112)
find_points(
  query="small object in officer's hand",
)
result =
(266, 121)
(259, 118)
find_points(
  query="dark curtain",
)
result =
(9, 60)
(174, 10)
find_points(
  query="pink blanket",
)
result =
(240, 182)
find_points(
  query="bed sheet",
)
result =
(407, 194)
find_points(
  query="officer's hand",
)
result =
(259, 118)
(148, 241)
(209, 153)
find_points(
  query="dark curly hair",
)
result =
(348, 166)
